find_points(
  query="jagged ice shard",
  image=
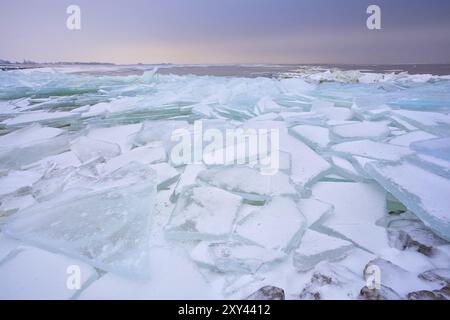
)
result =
(107, 225)
(424, 193)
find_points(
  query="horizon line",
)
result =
(26, 61)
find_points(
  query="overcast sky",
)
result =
(226, 31)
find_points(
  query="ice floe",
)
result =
(31, 144)
(278, 225)
(423, 192)
(106, 225)
(247, 180)
(316, 247)
(315, 136)
(47, 279)
(373, 150)
(235, 257)
(358, 131)
(203, 213)
(357, 208)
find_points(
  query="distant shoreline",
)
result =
(236, 70)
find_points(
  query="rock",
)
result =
(330, 282)
(442, 294)
(389, 275)
(396, 212)
(411, 233)
(441, 276)
(384, 293)
(267, 293)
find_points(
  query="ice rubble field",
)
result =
(87, 180)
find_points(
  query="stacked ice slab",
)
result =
(86, 165)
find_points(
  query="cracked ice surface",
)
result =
(87, 178)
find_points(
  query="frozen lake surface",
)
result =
(88, 180)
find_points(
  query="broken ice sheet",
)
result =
(433, 122)
(203, 213)
(330, 111)
(346, 169)
(237, 284)
(106, 225)
(235, 257)
(14, 181)
(114, 106)
(30, 144)
(204, 111)
(40, 274)
(165, 175)
(414, 136)
(372, 149)
(60, 118)
(421, 191)
(303, 118)
(266, 117)
(314, 136)
(285, 162)
(56, 180)
(173, 276)
(306, 165)
(268, 103)
(316, 247)
(439, 148)
(436, 165)
(278, 225)
(161, 130)
(402, 124)
(13, 203)
(59, 161)
(359, 164)
(28, 135)
(376, 113)
(315, 210)
(88, 149)
(361, 130)
(243, 179)
(122, 135)
(143, 155)
(357, 208)
(187, 178)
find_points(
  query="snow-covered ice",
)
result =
(372, 149)
(106, 225)
(315, 136)
(247, 180)
(203, 213)
(316, 247)
(358, 131)
(235, 257)
(423, 192)
(39, 274)
(278, 225)
(88, 179)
